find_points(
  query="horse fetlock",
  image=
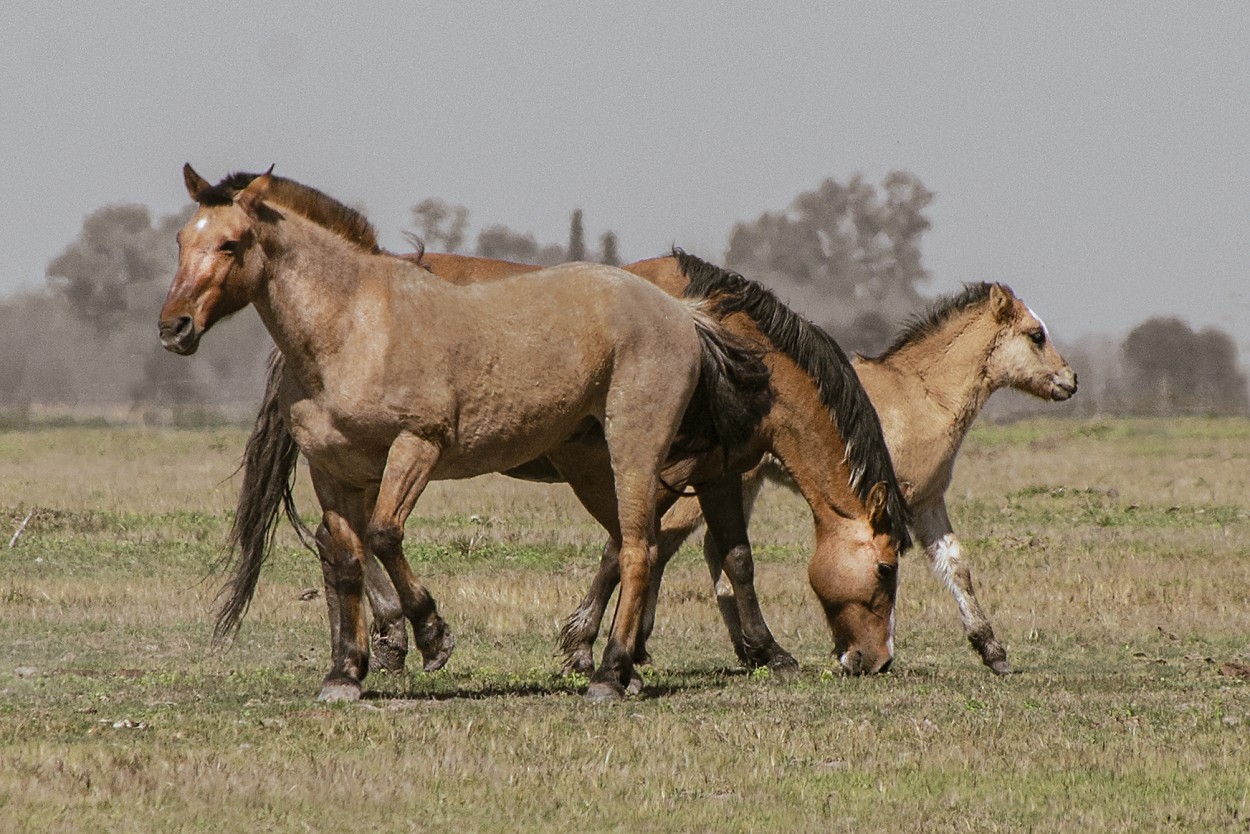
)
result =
(579, 661)
(993, 653)
(436, 643)
(388, 654)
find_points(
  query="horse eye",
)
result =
(1038, 337)
(885, 570)
(230, 247)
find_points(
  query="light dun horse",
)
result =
(928, 388)
(821, 425)
(400, 378)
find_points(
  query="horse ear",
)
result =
(249, 198)
(1002, 302)
(876, 504)
(196, 185)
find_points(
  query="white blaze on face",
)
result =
(1045, 329)
(889, 643)
(201, 223)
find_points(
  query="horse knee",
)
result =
(739, 564)
(384, 540)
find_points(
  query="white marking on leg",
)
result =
(944, 553)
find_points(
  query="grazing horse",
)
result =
(820, 425)
(400, 378)
(928, 388)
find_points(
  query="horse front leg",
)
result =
(723, 507)
(341, 551)
(408, 466)
(388, 633)
(946, 554)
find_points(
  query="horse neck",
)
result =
(311, 286)
(801, 433)
(946, 372)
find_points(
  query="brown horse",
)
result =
(821, 426)
(399, 379)
(928, 388)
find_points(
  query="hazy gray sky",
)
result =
(1095, 156)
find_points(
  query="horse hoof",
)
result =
(339, 691)
(437, 646)
(602, 693)
(783, 663)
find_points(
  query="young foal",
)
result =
(928, 388)
(400, 378)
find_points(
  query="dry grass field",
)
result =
(1113, 557)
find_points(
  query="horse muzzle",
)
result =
(179, 335)
(1063, 385)
(857, 662)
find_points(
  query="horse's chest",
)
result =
(352, 453)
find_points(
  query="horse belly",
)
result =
(501, 438)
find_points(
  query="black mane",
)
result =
(820, 357)
(939, 313)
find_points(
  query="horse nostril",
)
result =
(182, 326)
(885, 667)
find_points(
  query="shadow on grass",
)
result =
(669, 684)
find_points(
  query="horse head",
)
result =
(218, 260)
(854, 573)
(1024, 357)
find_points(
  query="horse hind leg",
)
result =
(577, 637)
(676, 525)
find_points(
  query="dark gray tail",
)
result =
(733, 393)
(268, 487)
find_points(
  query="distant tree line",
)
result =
(848, 255)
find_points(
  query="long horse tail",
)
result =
(821, 359)
(733, 394)
(268, 487)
